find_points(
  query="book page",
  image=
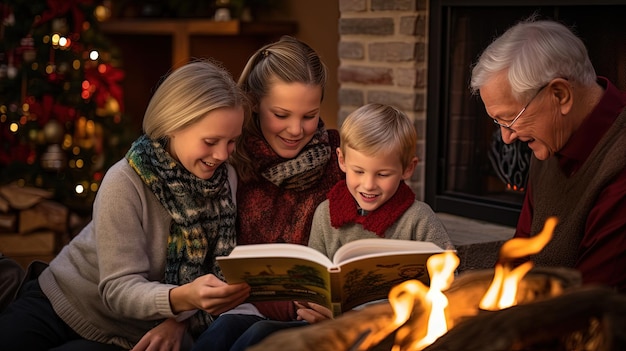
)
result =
(278, 250)
(279, 272)
(375, 247)
(371, 279)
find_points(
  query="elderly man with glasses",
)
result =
(539, 86)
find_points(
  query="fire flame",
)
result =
(502, 292)
(416, 305)
(441, 270)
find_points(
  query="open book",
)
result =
(361, 271)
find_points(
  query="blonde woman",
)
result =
(146, 261)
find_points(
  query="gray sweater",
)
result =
(105, 283)
(418, 222)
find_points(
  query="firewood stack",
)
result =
(32, 226)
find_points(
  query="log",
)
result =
(21, 198)
(590, 318)
(467, 290)
(44, 215)
(348, 331)
(4, 205)
(8, 222)
(344, 333)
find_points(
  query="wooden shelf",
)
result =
(151, 47)
(181, 30)
(170, 26)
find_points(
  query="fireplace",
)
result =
(470, 172)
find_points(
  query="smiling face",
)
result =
(541, 125)
(373, 180)
(203, 146)
(288, 116)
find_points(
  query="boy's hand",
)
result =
(312, 312)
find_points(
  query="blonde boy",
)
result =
(377, 153)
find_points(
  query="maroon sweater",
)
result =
(271, 214)
(592, 220)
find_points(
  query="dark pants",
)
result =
(11, 275)
(30, 323)
(260, 330)
(234, 332)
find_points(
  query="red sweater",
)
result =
(270, 214)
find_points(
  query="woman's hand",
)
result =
(208, 293)
(167, 336)
(312, 312)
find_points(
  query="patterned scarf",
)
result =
(344, 209)
(203, 215)
(299, 173)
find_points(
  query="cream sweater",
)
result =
(105, 283)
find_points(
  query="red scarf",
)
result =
(343, 209)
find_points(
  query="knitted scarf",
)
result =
(270, 213)
(299, 173)
(203, 215)
(344, 209)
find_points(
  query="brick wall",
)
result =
(383, 58)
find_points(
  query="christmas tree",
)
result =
(61, 102)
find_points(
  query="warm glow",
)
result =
(102, 13)
(55, 39)
(441, 269)
(503, 289)
(423, 307)
(402, 299)
(520, 247)
(420, 311)
(420, 316)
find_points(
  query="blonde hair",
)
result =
(288, 60)
(377, 129)
(187, 94)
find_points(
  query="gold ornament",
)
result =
(53, 132)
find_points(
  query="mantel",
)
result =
(182, 29)
(150, 47)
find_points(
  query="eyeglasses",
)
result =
(509, 125)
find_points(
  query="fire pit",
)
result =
(516, 308)
(577, 318)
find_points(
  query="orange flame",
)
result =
(441, 270)
(402, 299)
(503, 289)
(413, 302)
